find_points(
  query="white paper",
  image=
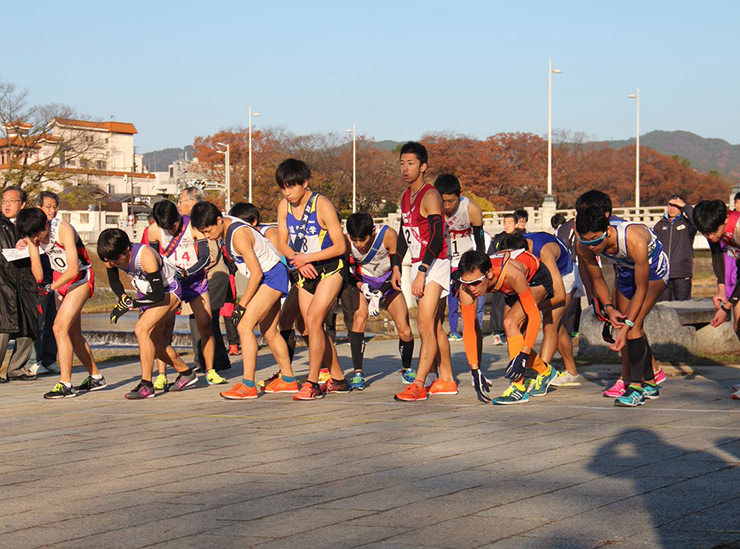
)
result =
(14, 254)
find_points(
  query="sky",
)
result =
(179, 70)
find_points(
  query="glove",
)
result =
(43, 290)
(367, 292)
(238, 313)
(481, 385)
(124, 305)
(600, 311)
(455, 283)
(606, 333)
(373, 305)
(181, 273)
(516, 366)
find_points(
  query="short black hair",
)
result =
(521, 213)
(591, 220)
(47, 194)
(509, 216)
(112, 244)
(737, 197)
(246, 211)
(514, 241)
(360, 225)
(557, 220)
(447, 183)
(474, 260)
(417, 149)
(31, 221)
(595, 198)
(165, 214)
(24, 194)
(204, 214)
(709, 215)
(292, 172)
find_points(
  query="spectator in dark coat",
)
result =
(676, 231)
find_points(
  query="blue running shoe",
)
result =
(630, 399)
(541, 383)
(408, 376)
(650, 392)
(512, 395)
(357, 382)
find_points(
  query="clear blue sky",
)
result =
(398, 69)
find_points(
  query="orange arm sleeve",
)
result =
(470, 337)
(533, 317)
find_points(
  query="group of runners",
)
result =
(298, 269)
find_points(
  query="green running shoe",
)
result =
(512, 395)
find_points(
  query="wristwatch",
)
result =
(727, 311)
(423, 268)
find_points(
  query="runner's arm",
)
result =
(115, 282)
(401, 248)
(517, 280)
(637, 246)
(470, 333)
(547, 256)
(432, 203)
(67, 239)
(593, 279)
(329, 220)
(476, 223)
(150, 262)
(718, 262)
(36, 268)
(243, 242)
(204, 257)
(283, 238)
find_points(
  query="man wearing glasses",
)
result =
(18, 313)
(642, 273)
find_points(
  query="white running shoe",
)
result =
(736, 395)
(40, 370)
(564, 379)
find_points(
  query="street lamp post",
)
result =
(227, 171)
(637, 151)
(353, 131)
(251, 114)
(550, 72)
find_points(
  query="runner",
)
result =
(256, 259)
(422, 234)
(158, 296)
(642, 274)
(464, 232)
(373, 249)
(311, 238)
(73, 284)
(525, 283)
(173, 236)
(720, 228)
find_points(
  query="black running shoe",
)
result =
(92, 384)
(61, 391)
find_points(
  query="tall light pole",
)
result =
(251, 114)
(550, 72)
(227, 171)
(637, 155)
(353, 131)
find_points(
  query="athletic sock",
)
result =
(357, 348)
(651, 384)
(540, 366)
(187, 372)
(147, 383)
(635, 387)
(67, 385)
(289, 337)
(519, 384)
(288, 379)
(406, 348)
(97, 376)
(515, 345)
(248, 382)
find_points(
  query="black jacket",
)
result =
(677, 237)
(18, 309)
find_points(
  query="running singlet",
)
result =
(138, 274)
(185, 254)
(416, 226)
(500, 262)
(263, 248)
(459, 233)
(731, 237)
(306, 235)
(656, 257)
(539, 239)
(54, 249)
(377, 261)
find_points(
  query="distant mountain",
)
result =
(387, 145)
(159, 161)
(705, 154)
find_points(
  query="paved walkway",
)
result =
(191, 470)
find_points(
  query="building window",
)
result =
(67, 217)
(100, 164)
(84, 163)
(84, 219)
(111, 220)
(137, 191)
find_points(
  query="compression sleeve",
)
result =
(115, 282)
(735, 297)
(204, 257)
(157, 293)
(436, 238)
(480, 241)
(401, 246)
(154, 245)
(718, 262)
(533, 317)
(470, 335)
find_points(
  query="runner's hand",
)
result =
(481, 385)
(124, 305)
(516, 366)
(417, 288)
(720, 317)
(396, 279)
(299, 260)
(367, 292)
(180, 273)
(308, 271)
(718, 300)
(373, 304)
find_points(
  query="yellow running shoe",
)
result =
(160, 383)
(212, 378)
(324, 376)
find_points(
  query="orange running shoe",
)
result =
(309, 392)
(440, 387)
(240, 392)
(412, 393)
(233, 350)
(280, 386)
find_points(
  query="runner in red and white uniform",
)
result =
(423, 235)
(73, 284)
(720, 227)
